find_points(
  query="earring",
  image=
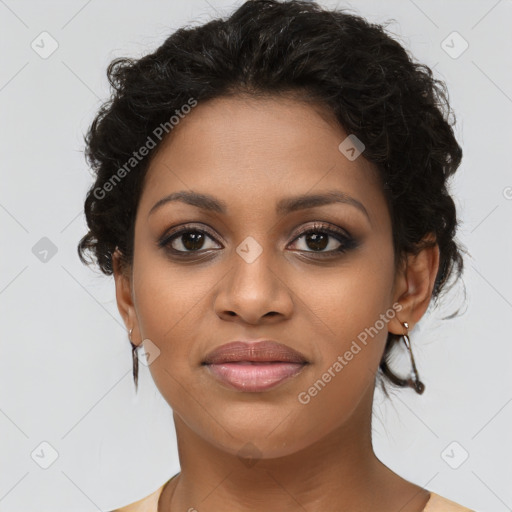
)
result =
(135, 360)
(418, 386)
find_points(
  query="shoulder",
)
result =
(437, 503)
(147, 504)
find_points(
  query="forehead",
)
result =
(253, 151)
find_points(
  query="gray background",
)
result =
(65, 365)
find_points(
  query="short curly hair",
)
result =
(366, 79)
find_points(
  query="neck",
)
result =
(338, 472)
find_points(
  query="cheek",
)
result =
(354, 308)
(353, 303)
(351, 297)
(169, 300)
(165, 291)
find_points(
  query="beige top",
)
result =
(436, 503)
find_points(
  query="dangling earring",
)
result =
(418, 386)
(135, 360)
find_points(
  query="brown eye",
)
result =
(317, 241)
(187, 240)
(324, 240)
(192, 240)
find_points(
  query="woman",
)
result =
(271, 198)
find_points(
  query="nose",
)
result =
(254, 290)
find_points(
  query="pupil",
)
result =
(193, 240)
(316, 241)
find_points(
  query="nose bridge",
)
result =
(252, 267)
(254, 287)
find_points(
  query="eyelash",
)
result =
(346, 240)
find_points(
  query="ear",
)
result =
(414, 284)
(124, 296)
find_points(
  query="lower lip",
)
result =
(254, 377)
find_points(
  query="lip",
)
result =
(254, 366)
(264, 351)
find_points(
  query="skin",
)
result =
(250, 153)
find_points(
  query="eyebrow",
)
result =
(284, 206)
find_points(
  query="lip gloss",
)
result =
(254, 376)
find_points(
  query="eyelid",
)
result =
(345, 240)
(324, 226)
(166, 238)
(343, 237)
(317, 225)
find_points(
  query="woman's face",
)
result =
(253, 276)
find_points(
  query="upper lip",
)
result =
(254, 351)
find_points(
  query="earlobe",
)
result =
(415, 284)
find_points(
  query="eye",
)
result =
(321, 237)
(187, 239)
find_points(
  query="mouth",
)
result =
(254, 366)
(254, 377)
